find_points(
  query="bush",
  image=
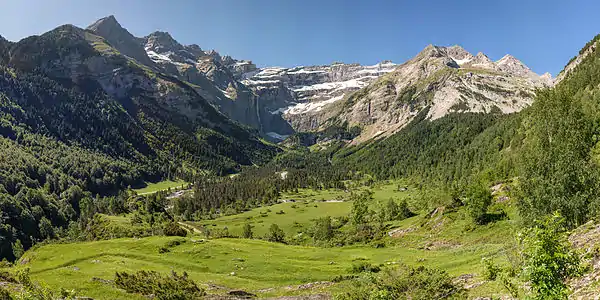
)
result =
(247, 231)
(403, 283)
(322, 229)
(549, 258)
(393, 211)
(173, 229)
(479, 198)
(147, 283)
(363, 266)
(4, 294)
(275, 234)
(490, 269)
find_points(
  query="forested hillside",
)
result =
(71, 133)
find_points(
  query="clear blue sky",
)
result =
(544, 34)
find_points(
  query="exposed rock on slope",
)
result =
(119, 38)
(300, 93)
(589, 48)
(443, 79)
(156, 103)
(214, 77)
(380, 98)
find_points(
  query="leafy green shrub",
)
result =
(39, 290)
(490, 269)
(173, 229)
(478, 199)
(549, 258)
(7, 276)
(247, 231)
(393, 211)
(275, 234)
(322, 229)
(403, 283)
(174, 243)
(4, 294)
(364, 266)
(172, 287)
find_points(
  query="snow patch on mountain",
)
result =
(461, 62)
(302, 108)
(352, 83)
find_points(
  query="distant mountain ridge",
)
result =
(440, 79)
(151, 105)
(280, 101)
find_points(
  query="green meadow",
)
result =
(444, 240)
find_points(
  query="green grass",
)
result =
(296, 216)
(151, 188)
(257, 264)
(269, 269)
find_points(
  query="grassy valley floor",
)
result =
(441, 239)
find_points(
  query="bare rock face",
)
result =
(300, 94)
(442, 80)
(575, 61)
(481, 61)
(277, 101)
(119, 38)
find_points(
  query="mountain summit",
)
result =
(438, 80)
(380, 99)
(119, 38)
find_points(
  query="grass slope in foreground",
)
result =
(253, 265)
(270, 269)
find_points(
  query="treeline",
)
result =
(260, 186)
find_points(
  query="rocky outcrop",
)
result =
(120, 39)
(442, 80)
(299, 94)
(575, 61)
(381, 98)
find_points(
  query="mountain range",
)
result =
(380, 99)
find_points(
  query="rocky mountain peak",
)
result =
(161, 42)
(511, 65)
(547, 79)
(195, 50)
(106, 24)
(431, 51)
(481, 61)
(118, 37)
(214, 54)
(458, 54)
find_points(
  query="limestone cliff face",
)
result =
(442, 79)
(380, 98)
(299, 94)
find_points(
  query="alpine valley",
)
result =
(141, 168)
